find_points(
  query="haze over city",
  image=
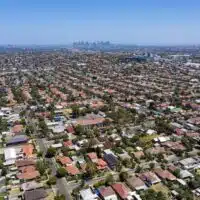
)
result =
(152, 22)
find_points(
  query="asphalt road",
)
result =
(61, 183)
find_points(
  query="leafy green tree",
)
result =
(4, 171)
(119, 166)
(177, 173)
(79, 129)
(153, 195)
(123, 176)
(61, 172)
(162, 125)
(59, 197)
(41, 166)
(99, 152)
(65, 151)
(22, 113)
(51, 152)
(23, 121)
(75, 111)
(51, 107)
(138, 169)
(152, 165)
(109, 179)
(29, 130)
(3, 125)
(52, 180)
(39, 154)
(90, 169)
(126, 162)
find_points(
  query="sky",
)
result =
(145, 22)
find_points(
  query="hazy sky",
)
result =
(119, 21)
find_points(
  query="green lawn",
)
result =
(160, 188)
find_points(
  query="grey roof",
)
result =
(35, 194)
(18, 139)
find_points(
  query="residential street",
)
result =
(61, 183)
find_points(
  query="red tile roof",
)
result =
(28, 175)
(92, 156)
(85, 122)
(28, 150)
(64, 160)
(174, 145)
(121, 190)
(172, 168)
(106, 191)
(25, 169)
(70, 129)
(72, 170)
(165, 174)
(68, 143)
(101, 164)
(21, 163)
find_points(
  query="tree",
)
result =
(123, 176)
(109, 179)
(43, 127)
(51, 107)
(99, 152)
(3, 125)
(29, 130)
(59, 197)
(39, 154)
(152, 165)
(177, 173)
(90, 169)
(152, 106)
(41, 166)
(162, 125)
(52, 180)
(187, 143)
(160, 157)
(119, 166)
(22, 113)
(79, 129)
(153, 195)
(75, 111)
(51, 152)
(126, 162)
(138, 169)
(23, 121)
(65, 151)
(61, 172)
(4, 171)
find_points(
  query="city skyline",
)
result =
(128, 22)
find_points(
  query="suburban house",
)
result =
(72, 170)
(90, 121)
(121, 190)
(35, 194)
(135, 183)
(65, 161)
(149, 178)
(164, 174)
(111, 160)
(87, 194)
(18, 139)
(107, 193)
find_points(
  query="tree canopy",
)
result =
(51, 152)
